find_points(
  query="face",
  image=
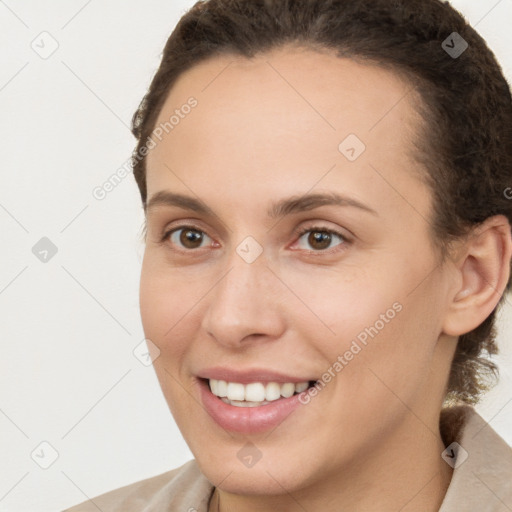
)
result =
(347, 293)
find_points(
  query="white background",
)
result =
(68, 327)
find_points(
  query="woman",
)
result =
(327, 242)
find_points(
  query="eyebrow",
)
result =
(281, 208)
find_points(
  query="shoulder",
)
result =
(482, 462)
(184, 488)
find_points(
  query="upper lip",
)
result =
(249, 375)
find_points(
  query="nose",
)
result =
(245, 304)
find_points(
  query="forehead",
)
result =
(283, 113)
(290, 89)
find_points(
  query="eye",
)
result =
(188, 237)
(321, 238)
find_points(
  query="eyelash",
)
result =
(298, 234)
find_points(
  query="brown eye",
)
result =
(191, 238)
(320, 239)
(186, 237)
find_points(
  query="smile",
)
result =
(255, 393)
(244, 414)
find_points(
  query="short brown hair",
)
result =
(464, 143)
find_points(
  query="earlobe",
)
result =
(483, 270)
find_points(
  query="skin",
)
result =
(267, 129)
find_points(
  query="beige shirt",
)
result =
(481, 483)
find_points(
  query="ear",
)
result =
(482, 272)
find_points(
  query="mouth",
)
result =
(252, 401)
(254, 394)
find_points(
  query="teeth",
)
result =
(222, 388)
(272, 391)
(287, 389)
(236, 391)
(255, 393)
(238, 403)
(301, 386)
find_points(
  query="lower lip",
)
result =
(248, 420)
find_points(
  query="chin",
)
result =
(264, 478)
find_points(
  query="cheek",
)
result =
(395, 359)
(336, 304)
(167, 317)
(155, 304)
(166, 300)
(370, 318)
